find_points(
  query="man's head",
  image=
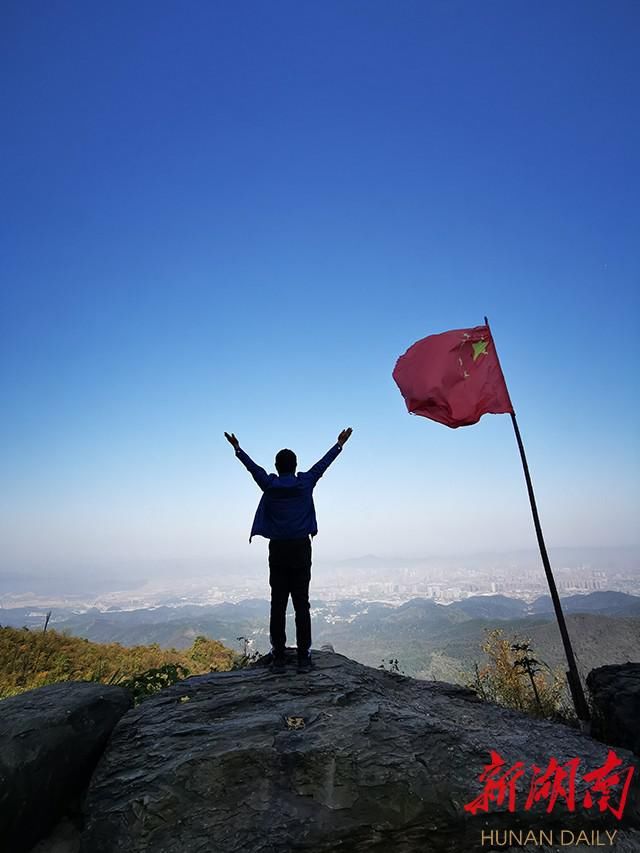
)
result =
(286, 462)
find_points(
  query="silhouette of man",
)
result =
(286, 517)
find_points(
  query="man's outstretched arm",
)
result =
(321, 466)
(259, 474)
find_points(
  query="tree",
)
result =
(513, 677)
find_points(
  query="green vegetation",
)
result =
(146, 684)
(391, 665)
(513, 677)
(30, 659)
(245, 658)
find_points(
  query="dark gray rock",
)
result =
(65, 838)
(615, 691)
(50, 741)
(345, 758)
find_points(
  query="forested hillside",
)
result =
(31, 659)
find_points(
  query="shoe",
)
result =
(278, 664)
(304, 664)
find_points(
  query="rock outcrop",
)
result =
(50, 741)
(615, 691)
(345, 758)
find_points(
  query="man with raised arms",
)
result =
(286, 516)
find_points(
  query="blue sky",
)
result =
(237, 217)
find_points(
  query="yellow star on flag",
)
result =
(479, 348)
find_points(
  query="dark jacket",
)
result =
(286, 509)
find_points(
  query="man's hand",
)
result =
(232, 440)
(344, 435)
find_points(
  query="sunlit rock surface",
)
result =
(345, 758)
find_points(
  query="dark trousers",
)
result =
(290, 574)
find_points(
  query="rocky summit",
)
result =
(50, 741)
(344, 758)
(615, 691)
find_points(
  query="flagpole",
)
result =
(575, 685)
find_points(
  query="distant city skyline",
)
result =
(444, 578)
(238, 219)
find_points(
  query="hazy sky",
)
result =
(236, 216)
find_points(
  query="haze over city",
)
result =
(206, 229)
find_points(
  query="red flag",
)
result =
(453, 378)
